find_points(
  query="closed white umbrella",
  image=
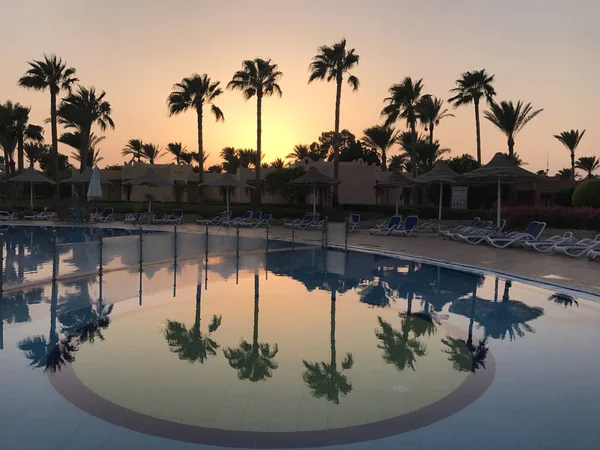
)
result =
(95, 187)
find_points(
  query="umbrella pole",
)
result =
(314, 199)
(397, 198)
(31, 195)
(498, 206)
(440, 206)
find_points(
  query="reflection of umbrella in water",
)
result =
(499, 170)
(150, 179)
(227, 181)
(31, 176)
(315, 178)
(499, 319)
(441, 173)
(396, 180)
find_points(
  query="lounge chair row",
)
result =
(310, 221)
(395, 227)
(250, 219)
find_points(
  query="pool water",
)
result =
(303, 348)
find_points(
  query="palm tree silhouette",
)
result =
(332, 63)
(471, 87)
(571, 139)
(510, 119)
(80, 111)
(399, 347)
(589, 164)
(152, 152)
(177, 149)
(323, 378)
(192, 345)
(403, 104)
(255, 361)
(193, 93)
(51, 74)
(74, 140)
(381, 138)
(258, 78)
(135, 149)
(431, 113)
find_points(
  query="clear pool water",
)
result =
(293, 349)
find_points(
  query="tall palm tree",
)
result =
(194, 92)
(471, 87)
(253, 361)
(14, 131)
(80, 111)
(258, 78)
(399, 162)
(26, 132)
(231, 161)
(135, 149)
(51, 74)
(333, 63)
(510, 119)
(381, 138)
(323, 378)
(431, 113)
(427, 154)
(403, 104)
(192, 345)
(589, 164)
(177, 149)
(34, 152)
(571, 139)
(74, 139)
(152, 152)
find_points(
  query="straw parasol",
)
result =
(499, 170)
(227, 181)
(397, 180)
(150, 179)
(441, 173)
(95, 188)
(31, 176)
(316, 178)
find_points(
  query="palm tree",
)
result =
(399, 348)
(323, 378)
(152, 152)
(332, 63)
(15, 131)
(588, 164)
(177, 149)
(194, 92)
(278, 163)
(51, 74)
(300, 152)
(192, 345)
(231, 160)
(80, 111)
(74, 139)
(403, 103)
(431, 113)
(258, 78)
(195, 156)
(399, 162)
(34, 152)
(381, 138)
(571, 139)
(428, 154)
(135, 149)
(253, 361)
(471, 87)
(247, 157)
(565, 174)
(510, 119)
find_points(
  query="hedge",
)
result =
(587, 194)
(555, 217)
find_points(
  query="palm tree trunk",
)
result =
(410, 300)
(256, 297)
(54, 145)
(197, 318)
(257, 190)
(200, 157)
(383, 159)
(413, 159)
(511, 148)
(336, 141)
(573, 165)
(20, 153)
(478, 130)
(431, 127)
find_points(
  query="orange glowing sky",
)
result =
(541, 51)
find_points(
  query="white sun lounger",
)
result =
(547, 245)
(306, 218)
(580, 248)
(410, 226)
(532, 233)
(476, 237)
(458, 229)
(5, 215)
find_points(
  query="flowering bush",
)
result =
(518, 217)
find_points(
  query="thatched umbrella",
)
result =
(397, 180)
(315, 178)
(150, 179)
(499, 170)
(441, 173)
(227, 181)
(31, 176)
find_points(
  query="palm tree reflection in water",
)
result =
(253, 361)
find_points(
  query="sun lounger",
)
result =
(306, 218)
(410, 226)
(254, 218)
(458, 229)
(5, 215)
(176, 217)
(429, 226)
(580, 248)
(484, 227)
(92, 213)
(532, 233)
(593, 254)
(134, 218)
(238, 220)
(220, 217)
(476, 237)
(383, 225)
(354, 223)
(265, 221)
(387, 228)
(312, 223)
(547, 245)
(106, 216)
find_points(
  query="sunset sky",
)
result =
(541, 51)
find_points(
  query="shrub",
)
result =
(587, 194)
(563, 197)
(555, 217)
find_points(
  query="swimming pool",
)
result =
(297, 349)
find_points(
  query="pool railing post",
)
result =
(1, 268)
(54, 257)
(175, 243)
(141, 246)
(346, 223)
(100, 250)
(267, 244)
(237, 240)
(293, 237)
(206, 241)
